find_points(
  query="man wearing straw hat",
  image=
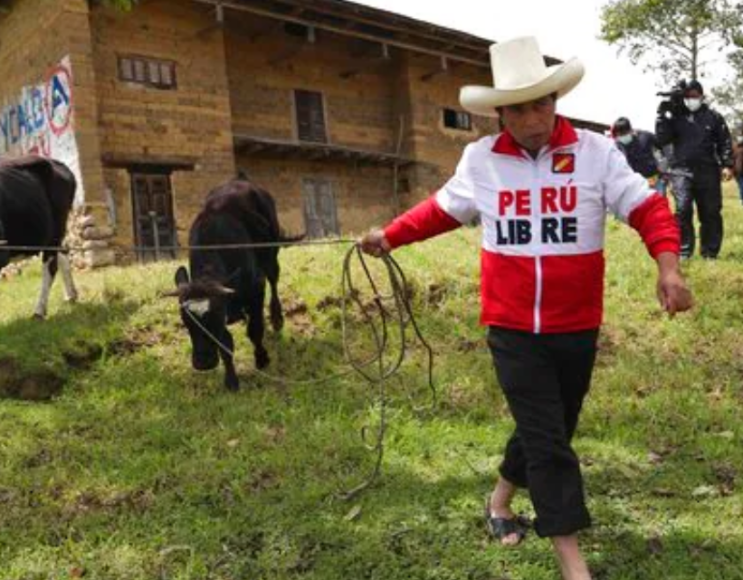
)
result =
(541, 189)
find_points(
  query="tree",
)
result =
(672, 36)
(729, 96)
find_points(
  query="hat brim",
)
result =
(560, 79)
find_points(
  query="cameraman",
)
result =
(701, 146)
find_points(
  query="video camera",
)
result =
(673, 100)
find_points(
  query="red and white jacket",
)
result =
(543, 222)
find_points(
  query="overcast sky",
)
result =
(611, 87)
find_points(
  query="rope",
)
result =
(373, 368)
(205, 330)
(402, 316)
(173, 249)
(281, 380)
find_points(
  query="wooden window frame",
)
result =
(456, 120)
(129, 66)
(295, 115)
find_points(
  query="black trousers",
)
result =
(545, 378)
(701, 185)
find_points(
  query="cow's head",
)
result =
(203, 311)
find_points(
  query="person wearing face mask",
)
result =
(702, 154)
(641, 150)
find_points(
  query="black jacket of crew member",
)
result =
(701, 138)
(640, 153)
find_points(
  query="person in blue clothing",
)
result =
(641, 150)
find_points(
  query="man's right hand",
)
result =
(375, 244)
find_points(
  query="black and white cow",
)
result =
(36, 196)
(229, 285)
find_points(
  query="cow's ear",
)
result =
(181, 277)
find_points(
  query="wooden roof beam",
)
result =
(235, 5)
(216, 25)
(443, 69)
(392, 26)
(370, 63)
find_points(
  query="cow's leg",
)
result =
(256, 326)
(272, 273)
(230, 375)
(48, 272)
(69, 285)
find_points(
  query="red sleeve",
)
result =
(423, 221)
(657, 225)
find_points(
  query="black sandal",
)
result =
(501, 528)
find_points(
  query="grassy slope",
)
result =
(143, 469)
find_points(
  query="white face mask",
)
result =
(693, 104)
(625, 139)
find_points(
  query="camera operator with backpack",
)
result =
(702, 153)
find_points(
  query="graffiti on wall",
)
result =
(41, 120)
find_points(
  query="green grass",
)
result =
(141, 468)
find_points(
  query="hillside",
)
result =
(140, 468)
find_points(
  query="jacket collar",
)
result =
(562, 135)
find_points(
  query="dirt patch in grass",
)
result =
(608, 345)
(328, 302)
(295, 307)
(138, 501)
(135, 340)
(437, 293)
(82, 355)
(39, 384)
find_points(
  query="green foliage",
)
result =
(671, 36)
(729, 96)
(142, 468)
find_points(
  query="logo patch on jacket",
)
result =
(563, 163)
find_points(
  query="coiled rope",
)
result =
(385, 360)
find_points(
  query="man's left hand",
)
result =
(673, 294)
(727, 174)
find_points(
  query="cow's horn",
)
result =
(170, 294)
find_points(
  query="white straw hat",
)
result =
(519, 75)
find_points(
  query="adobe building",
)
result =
(345, 113)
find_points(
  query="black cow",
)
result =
(36, 196)
(229, 285)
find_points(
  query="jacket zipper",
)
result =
(538, 295)
(537, 260)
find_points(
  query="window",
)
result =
(151, 72)
(310, 116)
(457, 120)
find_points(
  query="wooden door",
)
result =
(154, 226)
(320, 215)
